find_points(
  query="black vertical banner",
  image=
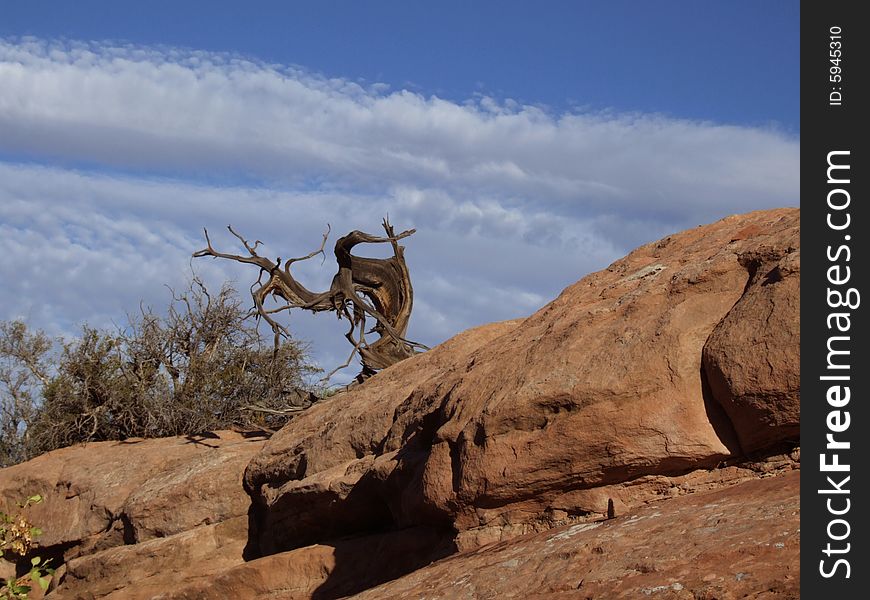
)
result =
(835, 369)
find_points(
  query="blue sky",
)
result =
(529, 144)
(733, 62)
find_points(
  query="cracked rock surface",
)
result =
(742, 541)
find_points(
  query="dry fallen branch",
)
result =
(364, 288)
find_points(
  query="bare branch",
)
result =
(272, 411)
(263, 263)
(253, 250)
(290, 261)
(362, 287)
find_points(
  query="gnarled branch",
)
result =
(379, 288)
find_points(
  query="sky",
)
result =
(528, 143)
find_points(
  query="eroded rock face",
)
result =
(739, 542)
(155, 567)
(320, 571)
(752, 359)
(510, 426)
(107, 494)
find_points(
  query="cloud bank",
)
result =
(116, 156)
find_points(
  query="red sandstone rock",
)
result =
(148, 569)
(506, 425)
(107, 494)
(321, 455)
(752, 359)
(742, 541)
(329, 570)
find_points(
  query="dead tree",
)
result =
(365, 290)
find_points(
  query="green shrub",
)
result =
(199, 367)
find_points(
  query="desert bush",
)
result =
(201, 366)
(24, 368)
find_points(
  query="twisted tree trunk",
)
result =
(363, 289)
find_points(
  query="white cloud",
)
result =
(87, 247)
(511, 202)
(180, 111)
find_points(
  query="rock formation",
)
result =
(517, 426)
(580, 431)
(732, 543)
(114, 511)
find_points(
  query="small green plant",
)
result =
(16, 540)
